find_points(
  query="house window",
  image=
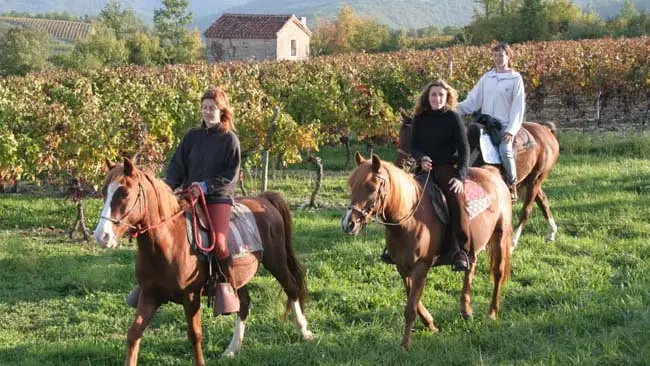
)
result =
(294, 48)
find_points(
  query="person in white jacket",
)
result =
(500, 94)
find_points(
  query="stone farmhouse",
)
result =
(235, 37)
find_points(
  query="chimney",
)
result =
(303, 20)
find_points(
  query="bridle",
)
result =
(119, 222)
(367, 212)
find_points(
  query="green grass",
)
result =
(582, 300)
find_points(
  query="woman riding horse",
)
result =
(439, 145)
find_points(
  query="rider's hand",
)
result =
(198, 188)
(456, 185)
(507, 137)
(426, 163)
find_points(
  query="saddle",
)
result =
(244, 244)
(476, 201)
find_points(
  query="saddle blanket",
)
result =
(243, 234)
(476, 199)
(523, 141)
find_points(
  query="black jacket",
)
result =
(441, 135)
(210, 155)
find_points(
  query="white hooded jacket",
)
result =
(500, 95)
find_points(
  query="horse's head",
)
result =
(124, 203)
(368, 194)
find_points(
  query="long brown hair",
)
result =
(423, 105)
(502, 46)
(221, 100)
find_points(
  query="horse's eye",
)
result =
(121, 193)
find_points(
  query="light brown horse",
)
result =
(168, 270)
(415, 235)
(533, 166)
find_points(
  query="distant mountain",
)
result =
(409, 14)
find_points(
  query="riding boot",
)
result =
(133, 297)
(461, 261)
(385, 257)
(226, 300)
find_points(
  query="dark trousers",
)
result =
(458, 217)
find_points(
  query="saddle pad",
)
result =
(243, 235)
(476, 198)
(524, 141)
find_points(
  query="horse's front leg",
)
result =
(465, 298)
(192, 307)
(424, 314)
(144, 312)
(418, 280)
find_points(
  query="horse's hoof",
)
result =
(492, 315)
(405, 346)
(467, 316)
(434, 330)
(550, 238)
(307, 335)
(228, 354)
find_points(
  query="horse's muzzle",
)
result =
(349, 225)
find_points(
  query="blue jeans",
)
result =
(508, 161)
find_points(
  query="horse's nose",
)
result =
(102, 237)
(348, 225)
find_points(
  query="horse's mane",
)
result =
(403, 189)
(168, 203)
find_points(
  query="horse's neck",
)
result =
(402, 199)
(161, 237)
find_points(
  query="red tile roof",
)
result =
(251, 26)
(64, 29)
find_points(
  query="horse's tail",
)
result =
(551, 126)
(295, 267)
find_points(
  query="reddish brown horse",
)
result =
(168, 270)
(415, 235)
(533, 166)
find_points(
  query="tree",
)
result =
(144, 50)
(124, 22)
(101, 48)
(23, 50)
(171, 24)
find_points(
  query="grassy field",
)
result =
(582, 300)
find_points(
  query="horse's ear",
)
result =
(376, 163)
(358, 158)
(405, 116)
(109, 164)
(129, 167)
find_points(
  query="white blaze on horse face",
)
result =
(104, 231)
(237, 339)
(301, 321)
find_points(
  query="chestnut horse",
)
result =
(533, 166)
(415, 234)
(168, 270)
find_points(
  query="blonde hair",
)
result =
(221, 100)
(423, 105)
